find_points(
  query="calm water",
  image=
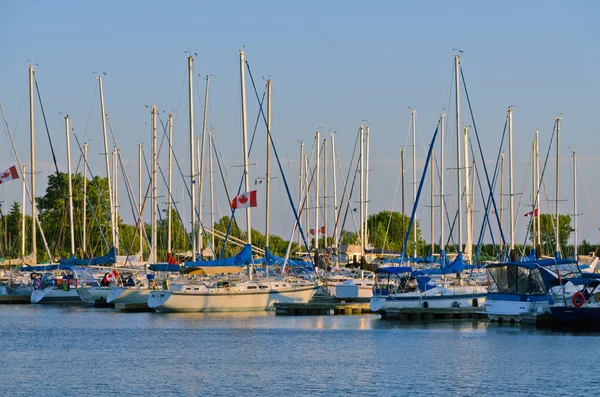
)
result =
(56, 351)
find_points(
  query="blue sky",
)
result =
(334, 64)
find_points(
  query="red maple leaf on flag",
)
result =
(243, 199)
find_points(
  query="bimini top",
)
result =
(533, 264)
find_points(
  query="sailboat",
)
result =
(232, 291)
(391, 296)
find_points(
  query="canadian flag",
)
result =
(9, 175)
(321, 230)
(534, 213)
(244, 200)
(110, 276)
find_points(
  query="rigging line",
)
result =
(387, 229)
(491, 193)
(587, 196)
(102, 202)
(485, 220)
(177, 209)
(349, 195)
(414, 210)
(35, 212)
(45, 122)
(487, 177)
(90, 111)
(243, 173)
(542, 183)
(214, 147)
(521, 199)
(270, 138)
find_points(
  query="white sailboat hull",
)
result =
(436, 298)
(227, 301)
(128, 295)
(93, 295)
(51, 295)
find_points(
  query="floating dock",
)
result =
(15, 299)
(323, 307)
(425, 314)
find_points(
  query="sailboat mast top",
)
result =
(458, 156)
(192, 167)
(245, 140)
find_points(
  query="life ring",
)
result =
(578, 299)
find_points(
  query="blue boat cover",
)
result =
(244, 257)
(109, 259)
(164, 267)
(425, 283)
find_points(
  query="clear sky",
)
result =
(333, 63)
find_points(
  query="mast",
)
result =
(110, 195)
(362, 190)
(170, 195)
(325, 193)
(85, 163)
(575, 214)
(301, 186)
(192, 168)
(367, 171)
(307, 190)
(402, 190)
(212, 196)
(537, 166)
(268, 173)
(458, 156)
(557, 249)
(501, 189)
(116, 194)
(153, 257)
(245, 140)
(141, 198)
(335, 205)
(72, 227)
(414, 150)
(533, 193)
(32, 165)
(510, 181)
(318, 163)
(432, 202)
(199, 180)
(201, 165)
(23, 216)
(442, 169)
(469, 246)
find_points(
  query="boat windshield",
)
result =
(516, 280)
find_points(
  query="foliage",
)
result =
(548, 231)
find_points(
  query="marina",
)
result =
(299, 198)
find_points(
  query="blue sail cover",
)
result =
(456, 266)
(531, 257)
(244, 257)
(165, 267)
(109, 259)
(424, 283)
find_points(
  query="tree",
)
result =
(548, 231)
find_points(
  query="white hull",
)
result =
(128, 295)
(228, 301)
(53, 295)
(93, 295)
(354, 289)
(500, 310)
(436, 298)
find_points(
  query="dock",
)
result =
(325, 306)
(425, 314)
(15, 299)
